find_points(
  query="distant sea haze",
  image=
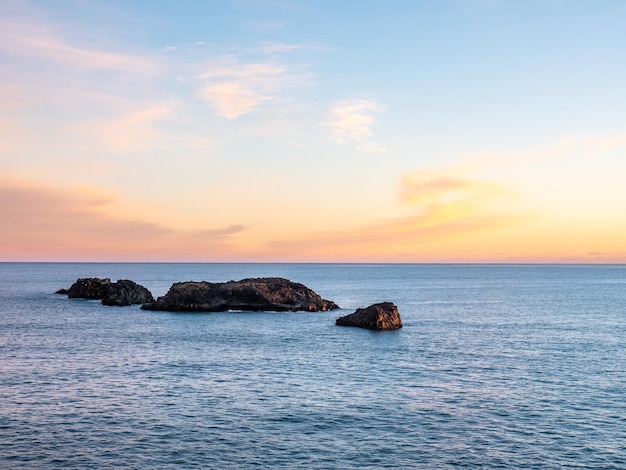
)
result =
(497, 366)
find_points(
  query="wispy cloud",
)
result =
(41, 41)
(448, 197)
(228, 67)
(49, 223)
(351, 121)
(131, 132)
(234, 88)
(221, 232)
(446, 187)
(443, 204)
(234, 99)
(278, 47)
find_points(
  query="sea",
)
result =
(497, 366)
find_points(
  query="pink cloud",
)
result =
(39, 40)
(44, 223)
(235, 88)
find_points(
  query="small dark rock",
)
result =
(382, 316)
(120, 293)
(259, 294)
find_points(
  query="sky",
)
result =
(489, 131)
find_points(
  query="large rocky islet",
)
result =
(273, 294)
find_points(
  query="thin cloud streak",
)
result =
(278, 47)
(444, 206)
(40, 42)
(386, 240)
(426, 187)
(222, 232)
(46, 223)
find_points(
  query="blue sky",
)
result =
(292, 130)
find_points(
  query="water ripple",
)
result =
(496, 367)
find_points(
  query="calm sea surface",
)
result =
(496, 367)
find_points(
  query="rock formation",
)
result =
(382, 316)
(125, 292)
(259, 294)
(88, 288)
(120, 293)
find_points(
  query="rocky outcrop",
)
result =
(382, 316)
(89, 288)
(125, 292)
(120, 293)
(259, 294)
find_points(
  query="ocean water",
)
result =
(497, 366)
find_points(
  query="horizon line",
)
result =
(379, 263)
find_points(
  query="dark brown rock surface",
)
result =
(120, 293)
(88, 288)
(271, 294)
(382, 316)
(125, 292)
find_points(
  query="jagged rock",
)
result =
(125, 292)
(120, 293)
(258, 294)
(382, 316)
(89, 288)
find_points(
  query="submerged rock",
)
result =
(382, 316)
(272, 294)
(120, 293)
